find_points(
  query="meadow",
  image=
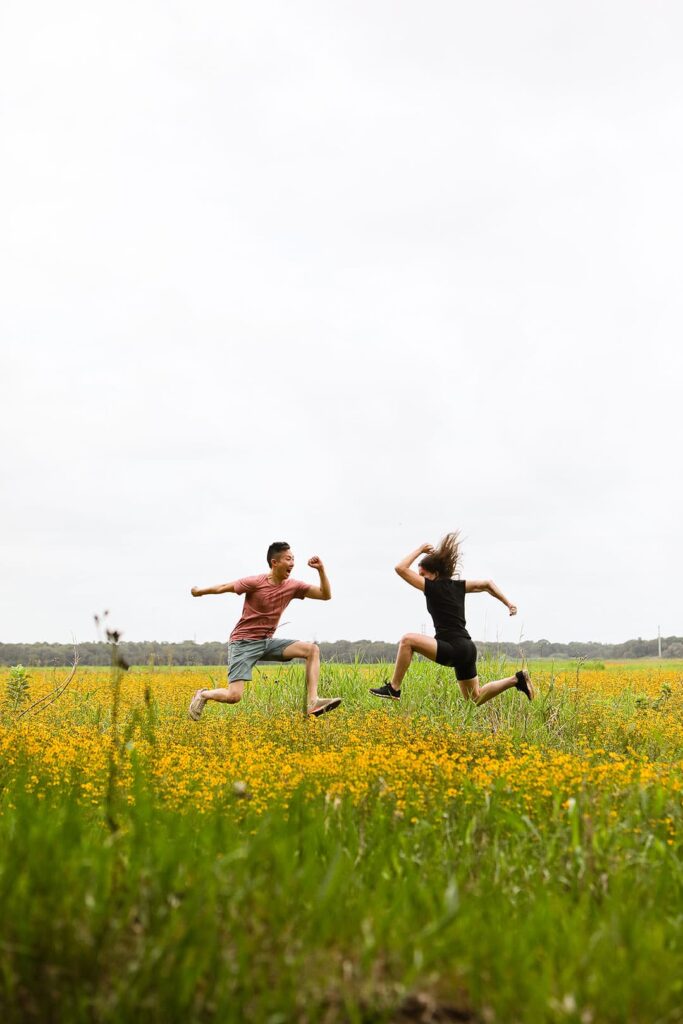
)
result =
(415, 861)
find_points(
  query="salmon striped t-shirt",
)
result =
(264, 604)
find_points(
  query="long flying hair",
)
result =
(445, 558)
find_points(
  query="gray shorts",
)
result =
(243, 655)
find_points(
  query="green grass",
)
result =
(329, 911)
(334, 913)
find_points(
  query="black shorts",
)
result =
(460, 653)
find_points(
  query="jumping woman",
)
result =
(452, 645)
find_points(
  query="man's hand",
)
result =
(323, 592)
(221, 588)
(513, 609)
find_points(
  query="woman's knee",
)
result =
(470, 689)
(408, 640)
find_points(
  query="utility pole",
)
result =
(659, 642)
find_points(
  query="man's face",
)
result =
(283, 563)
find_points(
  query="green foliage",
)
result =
(645, 703)
(324, 912)
(17, 691)
(187, 653)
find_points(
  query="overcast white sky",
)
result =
(349, 275)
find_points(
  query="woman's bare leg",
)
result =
(471, 690)
(410, 644)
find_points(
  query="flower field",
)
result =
(422, 860)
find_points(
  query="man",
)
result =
(252, 639)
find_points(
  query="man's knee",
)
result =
(302, 649)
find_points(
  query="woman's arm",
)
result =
(489, 587)
(408, 574)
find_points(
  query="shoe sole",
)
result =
(192, 714)
(322, 711)
(529, 692)
(384, 696)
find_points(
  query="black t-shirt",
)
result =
(446, 605)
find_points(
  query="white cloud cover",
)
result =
(346, 274)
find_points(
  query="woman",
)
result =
(452, 645)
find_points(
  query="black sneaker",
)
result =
(524, 684)
(387, 691)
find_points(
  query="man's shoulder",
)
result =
(250, 583)
(296, 584)
(297, 588)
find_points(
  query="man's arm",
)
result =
(408, 574)
(221, 588)
(489, 587)
(324, 591)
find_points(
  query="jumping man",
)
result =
(252, 639)
(452, 644)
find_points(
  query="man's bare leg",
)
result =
(300, 649)
(311, 654)
(230, 694)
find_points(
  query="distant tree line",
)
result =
(215, 653)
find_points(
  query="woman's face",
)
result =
(426, 573)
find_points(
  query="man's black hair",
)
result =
(275, 549)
